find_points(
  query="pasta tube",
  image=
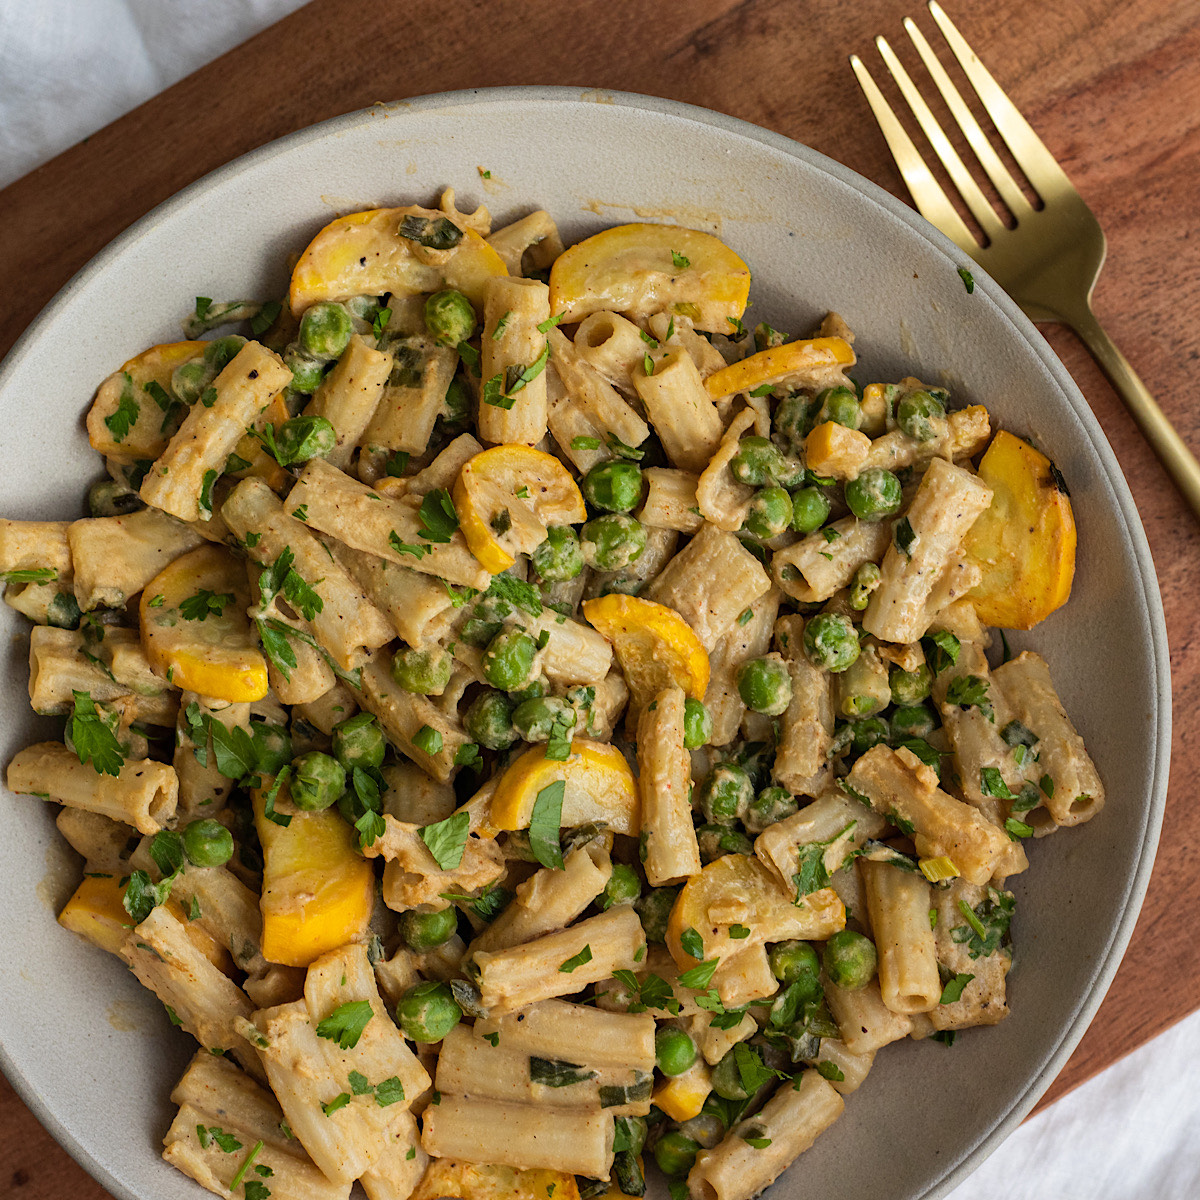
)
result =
(347, 625)
(538, 970)
(899, 902)
(519, 1135)
(334, 503)
(759, 1148)
(349, 395)
(512, 407)
(665, 782)
(182, 478)
(144, 794)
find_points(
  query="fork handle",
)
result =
(1172, 452)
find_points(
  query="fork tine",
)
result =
(1039, 165)
(997, 172)
(927, 194)
(976, 201)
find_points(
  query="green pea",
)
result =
(485, 621)
(726, 794)
(793, 419)
(533, 690)
(325, 330)
(866, 580)
(697, 724)
(850, 959)
(631, 1130)
(615, 486)
(765, 685)
(427, 930)
(727, 1079)
(874, 494)
(757, 462)
(872, 731)
(770, 806)
(108, 498)
(830, 641)
(910, 687)
(674, 1051)
(675, 1154)
(770, 513)
(559, 557)
(534, 720)
(307, 372)
(63, 611)
(810, 509)
(623, 887)
(654, 908)
(207, 843)
(301, 438)
(364, 308)
(450, 317)
(425, 672)
(317, 781)
(273, 747)
(916, 415)
(220, 352)
(794, 961)
(840, 405)
(612, 542)
(707, 1128)
(912, 721)
(189, 379)
(427, 1012)
(508, 660)
(488, 721)
(716, 841)
(791, 473)
(456, 406)
(359, 742)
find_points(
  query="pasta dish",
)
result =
(523, 722)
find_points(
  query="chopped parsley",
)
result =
(93, 736)
(447, 839)
(203, 604)
(545, 825)
(439, 521)
(576, 960)
(346, 1023)
(679, 261)
(125, 415)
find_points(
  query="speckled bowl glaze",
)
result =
(94, 1055)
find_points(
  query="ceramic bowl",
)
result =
(94, 1055)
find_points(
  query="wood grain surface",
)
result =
(1113, 90)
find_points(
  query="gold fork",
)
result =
(1050, 260)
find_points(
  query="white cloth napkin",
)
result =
(69, 67)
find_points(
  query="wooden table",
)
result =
(1113, 90)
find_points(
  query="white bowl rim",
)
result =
(1147, 576)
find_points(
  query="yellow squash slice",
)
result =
(600, 787)
(683, 1096)
(655, 646)
(317, 889)
(144, 437)
(97, 912)
(195, 630)
(1025, 541)
(531, 486)
(640, 270)
(777, 364)
(363, 254)
(479, 1181)
(739, 890)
